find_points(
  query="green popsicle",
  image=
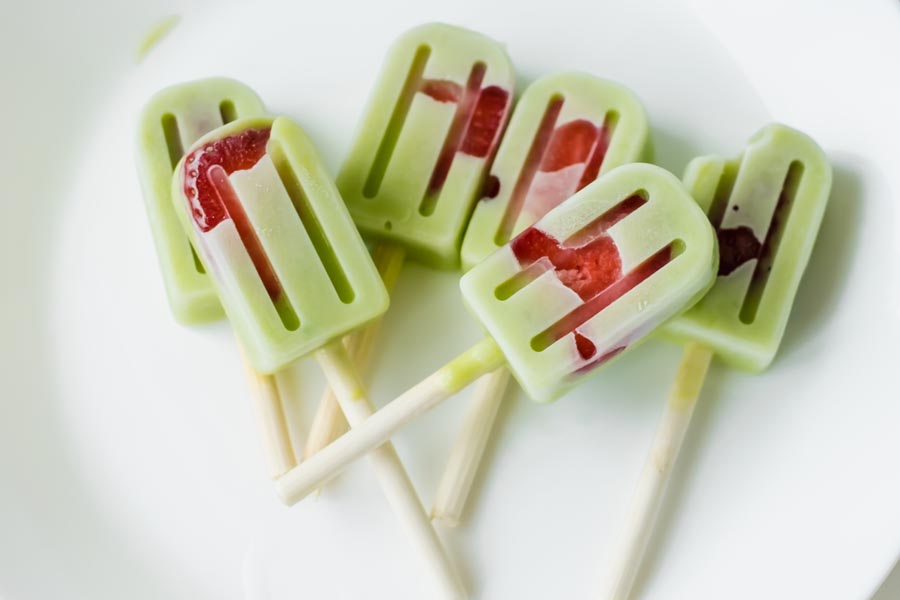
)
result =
(422, 150)
(766, 206)
(566, 130)
(419, 157)
(290, 268)
(169, 123)
(593, 277)
(294, 277)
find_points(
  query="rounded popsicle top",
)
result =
(566, 130)
(428, 133)
(289, 265)
(593, 277)
(171, 121)
(766, 207)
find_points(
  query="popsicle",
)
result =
(569, 294)
(170, 122)
(420, 155)
(293, 275)
(766, 207)
(567, 129)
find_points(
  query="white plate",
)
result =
(129, 458)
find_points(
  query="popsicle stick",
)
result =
(352, 397)
(273, 425)
(297, 483)
(329, 420)
(465, 457)
(638, 526)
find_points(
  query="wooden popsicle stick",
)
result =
(638, 526)
(401, 495)
(468, 449)
(270, 415)
(329, 421)
(297, 483)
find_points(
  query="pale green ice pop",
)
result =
(589, 280)
(766, 207)
(585, 283)
(567, 129)
(290, 268)
(171, 122)
(422, 150)
(418, 160)
(293, 275)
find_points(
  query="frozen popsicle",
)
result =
(766, 207)
(170, 122)
(567, 129)
(419, 158)
(293, 275)
(569, 294)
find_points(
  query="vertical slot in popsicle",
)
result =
(567, 129)
(766, 208)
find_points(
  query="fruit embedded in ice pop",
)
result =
(293, 275)
(170, 123)
(430, 129)
(766, 207)
(588, 281)
(290, 268)
(567, 129)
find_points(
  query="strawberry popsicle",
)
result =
(766, 207)
(293, 275)
(567, 129)
(420, 155)
(585, 283)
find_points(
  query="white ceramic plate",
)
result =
(129, 458)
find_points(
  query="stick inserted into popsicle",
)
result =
(419, 158)
(585, 283)
(567, 129)
(766, 207)
(293, 276)
(171, 122)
